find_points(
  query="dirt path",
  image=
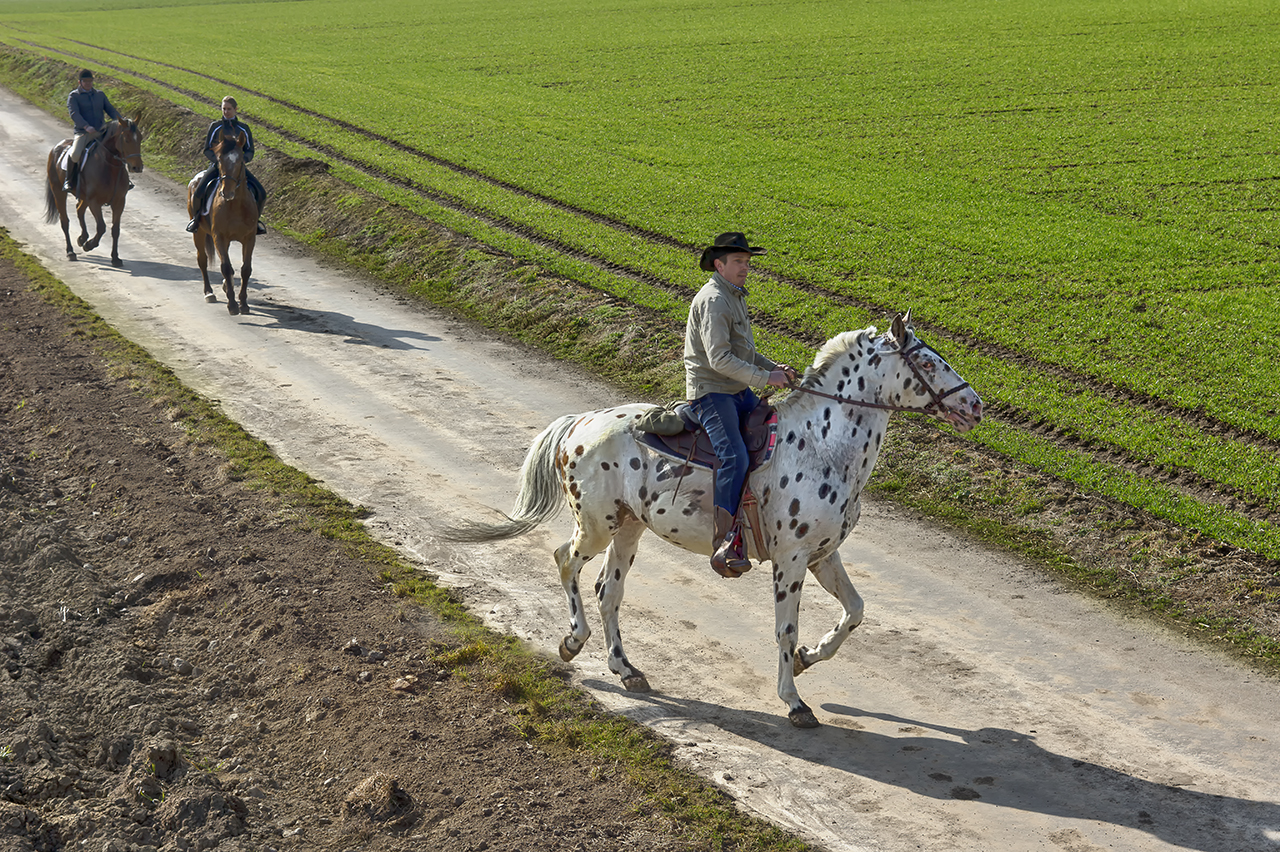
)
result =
(978, 707)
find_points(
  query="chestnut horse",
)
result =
(232, 217)
(104, 179)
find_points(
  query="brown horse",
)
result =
(232, 217)
(104, 179)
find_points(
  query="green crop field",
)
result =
(1078, 201)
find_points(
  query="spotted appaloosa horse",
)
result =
(808, 492)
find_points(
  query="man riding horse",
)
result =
(209, 176)
(721, 366)
(88, 108)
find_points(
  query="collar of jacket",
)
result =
(728, 285)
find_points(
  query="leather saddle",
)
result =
(681, 436)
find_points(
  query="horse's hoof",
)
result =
(803, 718)
(81, 240)
(798, 665)
(233, 308)
(117, 262)
(565, 653)
(244, 307)
(71, 255)
(636, 683)
(210, 298)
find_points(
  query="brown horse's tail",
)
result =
(50, 203)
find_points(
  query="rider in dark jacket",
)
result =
(208, 176)
(88, 108)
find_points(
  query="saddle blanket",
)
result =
(64, 161)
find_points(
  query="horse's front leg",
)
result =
(117, 210)
(609, 588)
(788, 583)
(246, 268)
(223, 246)
(100, 223)
(833, 577)
(83, 239)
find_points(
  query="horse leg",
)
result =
(788, 582)
(84, 230)
(204, 248)
(58, 199)
(609, 586)
(117, 210)
(228, 274)
(831, 574)
(101, 224)
(246, 267)
(570, 557)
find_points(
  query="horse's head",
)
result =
(929, 383)
(229, 149)
(125, 139)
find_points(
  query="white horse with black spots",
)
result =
(830, 430)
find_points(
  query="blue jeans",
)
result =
(721, 415)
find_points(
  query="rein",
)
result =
(935, 397)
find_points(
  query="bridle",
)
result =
(935, 398)
(115, 154)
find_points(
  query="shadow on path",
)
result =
(347, 327)
(996, 766)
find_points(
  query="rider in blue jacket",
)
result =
(210, 175)
(88, 108)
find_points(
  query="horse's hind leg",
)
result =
(609, 586)
(570, 557)
(204, 248)
(831, 574)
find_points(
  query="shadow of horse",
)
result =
(350, 329)
(997, 766)
(104, 180)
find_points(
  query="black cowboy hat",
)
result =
(727, 243)
(86, 74)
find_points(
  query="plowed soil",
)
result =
(182, 668)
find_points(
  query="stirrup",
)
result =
(727, 560)
(193, 226)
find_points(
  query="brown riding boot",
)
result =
(727, 560)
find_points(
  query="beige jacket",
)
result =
(719, 353)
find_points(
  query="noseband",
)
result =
(935, 398)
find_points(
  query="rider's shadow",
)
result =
(345, 326)
(999, 767)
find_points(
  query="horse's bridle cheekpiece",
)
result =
(935, 398)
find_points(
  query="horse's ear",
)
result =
(901, 325)
(241, 139)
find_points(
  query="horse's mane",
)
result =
(832, 350)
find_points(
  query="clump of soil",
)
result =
(182, 668)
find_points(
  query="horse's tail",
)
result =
(540, 498)
(50, 204)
